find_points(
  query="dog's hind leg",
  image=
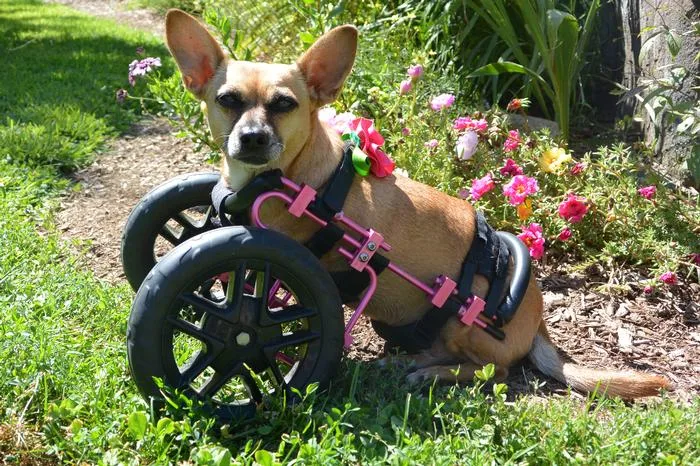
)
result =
(462, 373)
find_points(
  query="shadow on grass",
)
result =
(53, 57)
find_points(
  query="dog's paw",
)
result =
(420, 376)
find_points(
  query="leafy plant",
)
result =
(559, 45)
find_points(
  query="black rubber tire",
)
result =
(150, 336)
(150, 215)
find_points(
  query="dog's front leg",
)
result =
(462, 373)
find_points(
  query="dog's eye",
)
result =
(282, 104)
(230, 100)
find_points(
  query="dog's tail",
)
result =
(625, 384)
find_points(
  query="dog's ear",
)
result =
(328, 62)
(196, 52)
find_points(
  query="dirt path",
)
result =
(659, 334)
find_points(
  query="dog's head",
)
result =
(261, 114)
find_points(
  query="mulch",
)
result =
(590, 317)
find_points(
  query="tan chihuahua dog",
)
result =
(265, 116)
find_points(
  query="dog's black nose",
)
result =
(254, 139)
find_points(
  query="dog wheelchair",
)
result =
(235, 313)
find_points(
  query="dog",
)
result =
(265, 116)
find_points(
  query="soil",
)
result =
(588, 317)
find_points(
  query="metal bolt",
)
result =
(242, 339)
(364, 257)
(371, 246)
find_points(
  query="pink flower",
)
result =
(519, 188)
(462, 123)
(533, 239)
(564, 234)
(648, 290)
(370, 141)
(669, 278)
(141, 67)
(432, 144)
(405, 131)
(573, 208)
(405, 87)
(695, 258)
(511, 168)
(340, 122)
(481, 186)
(463, 193)
(442, 102)
(466, 145)
(121, 95)
(415, 71)
(513, 141)
(647, 192)
(578, 168)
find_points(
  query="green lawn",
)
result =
(65, 391)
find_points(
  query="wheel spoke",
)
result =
(204, 305)
(193, 331)
(290, 339)
(218, 380)
(194, 367)
(287, 314)
(169, 235)
(185, 221)
(252, 386)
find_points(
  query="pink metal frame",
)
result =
(359, 257)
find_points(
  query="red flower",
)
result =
(514, 105)
(533, 239)
(669, 278)
(573, 208)
(578, 168)
(511, 168)
(647, 192)
(565, 234)
(370, 141)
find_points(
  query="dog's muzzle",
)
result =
(255, 146)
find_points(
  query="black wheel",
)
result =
(234, 316)
(170, 214)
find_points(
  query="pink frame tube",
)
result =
(365, 233)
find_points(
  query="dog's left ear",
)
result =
(328, 62)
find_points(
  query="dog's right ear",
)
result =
(196, 52)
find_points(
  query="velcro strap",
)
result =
(219, 194)
(324, 239)
(351, 282)
(333, 198)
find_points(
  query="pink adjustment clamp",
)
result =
(302, 201)
(369, 247)
(474, 306)
(446, 289)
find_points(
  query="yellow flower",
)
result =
(525, 210)
(553, 159)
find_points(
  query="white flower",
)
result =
(466, 145)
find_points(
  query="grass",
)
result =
(65, 392)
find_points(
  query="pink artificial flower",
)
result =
(415, 71)
(466, 145)
(533, 239)
(519, 188)
(578, 168)
(405, 131)
(513, 141)
(463, 193)
(647, 192)
(511, 168)
(442, 102)
(564, 234)
(432, 144)
(462, 123)
(669, 278)
(405, 87)
(648, 290)
(481, 186)
(370, 141)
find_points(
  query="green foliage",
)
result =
(559, 46)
